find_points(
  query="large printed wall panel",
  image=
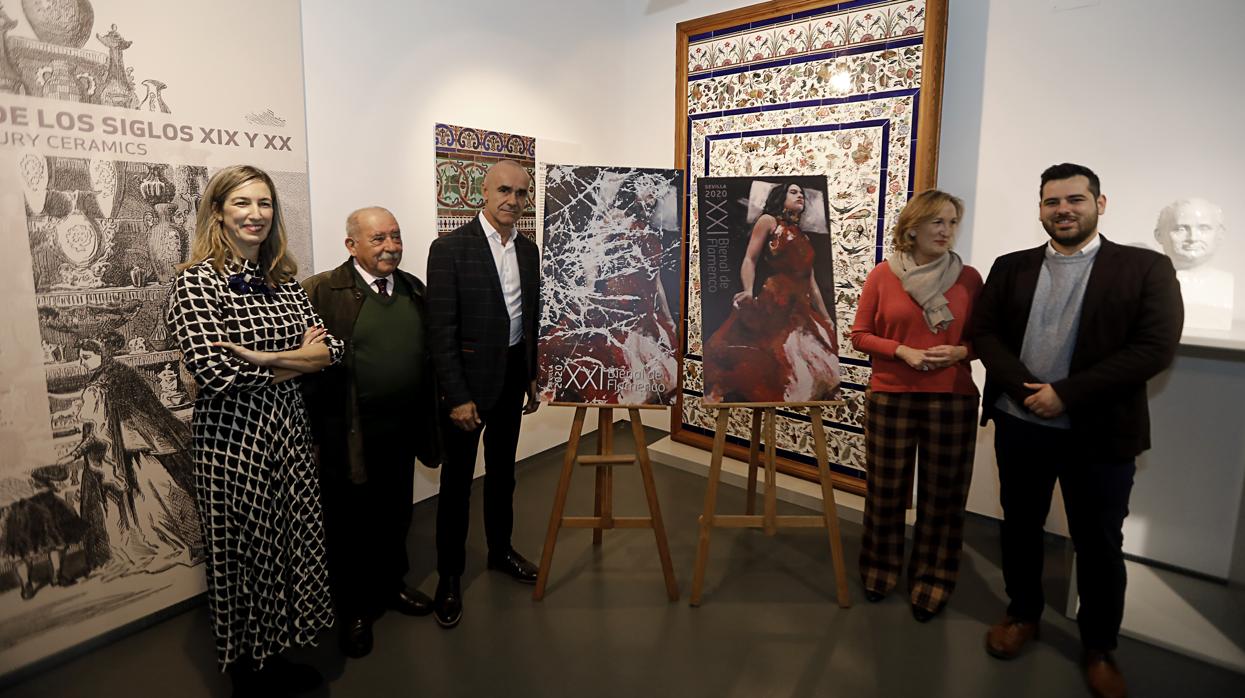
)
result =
(113, 115)
(844, 90)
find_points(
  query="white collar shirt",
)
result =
(1088, 248)
(507, 262)
(371, 280)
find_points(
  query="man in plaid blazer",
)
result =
(483, 300)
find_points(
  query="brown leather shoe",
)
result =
(1102, 675)
(1005, 639)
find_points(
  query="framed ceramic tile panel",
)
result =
(848, 90)
(463, 155)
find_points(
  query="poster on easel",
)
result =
(766, 286)
(610, 272)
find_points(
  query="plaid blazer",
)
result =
(469, 328)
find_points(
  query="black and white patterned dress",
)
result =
(255, 475)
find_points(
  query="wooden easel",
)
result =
(603, 508)
(770, 521)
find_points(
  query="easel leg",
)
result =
(754, 461)
(771, 471)
(607, 503)
(559, 503)
(711, 499)
(654, 508)
(828, 507)
(599, 497)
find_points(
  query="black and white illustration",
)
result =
(611, 261)
(112, 128)
(68, 60)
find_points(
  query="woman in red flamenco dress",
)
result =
(778, 345)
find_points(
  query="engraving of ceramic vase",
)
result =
(10, 78)
(190, 181)
(85, 243)
(60, 22)
(153, 101)
(34, 175)
(155, 187)
(167, 245)
(108, 185)
(56, 81)
(78, 236)
(117, 91)
(138, 276)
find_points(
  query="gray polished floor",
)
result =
(768, 625)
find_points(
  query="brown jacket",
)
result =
(331, 398)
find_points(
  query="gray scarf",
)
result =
(927, 283)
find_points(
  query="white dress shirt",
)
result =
(507, 261)
(371, 280)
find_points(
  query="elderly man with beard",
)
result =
(1069, 333)
(372, 415)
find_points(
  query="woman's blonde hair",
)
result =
(921, 209)
(212, 242)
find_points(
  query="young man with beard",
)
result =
(372, 415)
(1069, 333)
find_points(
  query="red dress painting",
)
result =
(776, 346)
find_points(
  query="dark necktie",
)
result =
(380, 287)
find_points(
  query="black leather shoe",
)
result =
(873, 596)
(514, 565)
(249, 683)
(356, 638)
(448, 605)
(282, 675)
(923, 615)
(411, 602)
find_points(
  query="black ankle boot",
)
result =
(284, 675)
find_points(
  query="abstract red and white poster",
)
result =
(610, 274)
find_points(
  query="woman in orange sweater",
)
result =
(912, 320)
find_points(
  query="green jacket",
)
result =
(331, 398)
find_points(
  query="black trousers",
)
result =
(500, 431)
(1095, 490)
(366, 525)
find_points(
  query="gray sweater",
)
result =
(1051, 331)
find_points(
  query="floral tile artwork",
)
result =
(835, 93)
(463, 155)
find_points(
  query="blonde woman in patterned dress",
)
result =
(245, 329)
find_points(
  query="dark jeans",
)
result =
(366, 525)
(1095, 494)
(500, 432)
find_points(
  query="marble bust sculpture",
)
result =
(1189, 231)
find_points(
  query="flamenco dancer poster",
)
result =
(767, 285)
(609, 298)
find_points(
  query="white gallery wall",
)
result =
(381, 74)
(1143, 91)
(1103, 83)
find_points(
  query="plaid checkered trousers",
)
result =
(942, 429)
